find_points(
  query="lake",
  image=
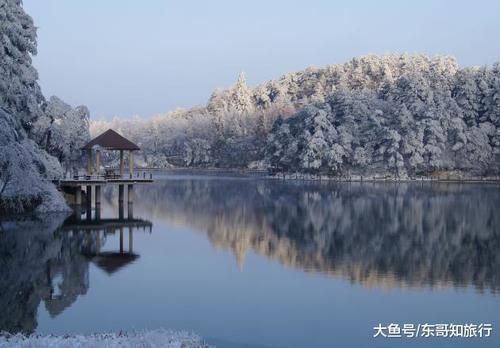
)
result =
(262, 263)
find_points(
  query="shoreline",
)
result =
(264, 174)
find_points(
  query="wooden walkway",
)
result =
(73, 186)
(84, 180)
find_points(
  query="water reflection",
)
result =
(374, 234)
(389, 235)
(48, 260)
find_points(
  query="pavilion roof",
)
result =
(111, 140)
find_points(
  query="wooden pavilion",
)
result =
(107, 141)
(111, 141)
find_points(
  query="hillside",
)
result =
(395, 114)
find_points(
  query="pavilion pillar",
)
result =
(121, 163)
(98, 162)
(131, 163)
(89, 162)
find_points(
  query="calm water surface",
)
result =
(255, 263)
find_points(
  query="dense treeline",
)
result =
(394, 114)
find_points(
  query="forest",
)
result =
(395, 115)
(399, 115)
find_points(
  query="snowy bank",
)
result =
(154, 338)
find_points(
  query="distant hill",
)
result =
(395, 115)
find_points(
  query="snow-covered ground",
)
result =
(153, 338)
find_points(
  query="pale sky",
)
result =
(131, 57)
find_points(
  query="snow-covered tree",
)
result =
(26, 169)
(241, 96)
(64, 130)
(393, 114)
(20, 93)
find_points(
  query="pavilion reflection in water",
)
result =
(52, 265)
(99, 229)
(65, 283)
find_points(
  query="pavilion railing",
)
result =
(137, 175)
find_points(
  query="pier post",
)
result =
(130, 194)
(130, 211)
(120, 201)
(89, 202)
(98, 202)
(78, 196)
(130, 199)
(121, 192)
(98, 195)
(89, 195)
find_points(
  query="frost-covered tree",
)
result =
(26, 172)
(392, 115)
(407, 123)
(20, 93)
(242, 96)
(63, 130)
(27, 169)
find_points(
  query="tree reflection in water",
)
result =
(376, 234)
(391, 235)
(47, 259)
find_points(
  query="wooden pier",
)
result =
(84, 185)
